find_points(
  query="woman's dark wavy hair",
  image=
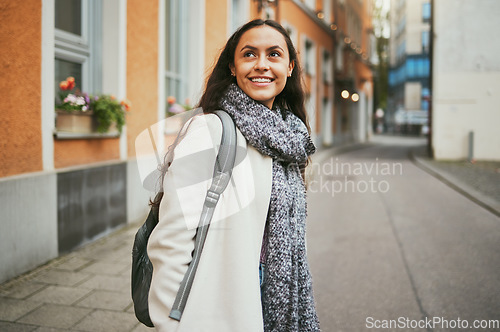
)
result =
(292, 97)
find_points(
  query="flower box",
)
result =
(75, 122)
(78, 113)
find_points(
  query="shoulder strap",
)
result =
(222, 174)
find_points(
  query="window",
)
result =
(392, 78)
(309, 58)
(310, 104)
(401, 51)
(239, 14)
(426, 12)
(425, 42)
(68, 16)
(327, 67)
(397, 75)
(339, 56)
(292, 32)
(411, 68)
(417, 68)
(425, 98)
(176, 54)
(78, 30)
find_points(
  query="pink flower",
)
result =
(176, 109)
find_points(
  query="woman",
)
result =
(253, 273)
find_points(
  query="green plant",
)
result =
(108, 110)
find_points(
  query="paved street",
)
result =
(386, 240)
(411, 248)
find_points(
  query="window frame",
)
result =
(327, 67)
(84, 49)
(309, 60)
(175, 59)
(425, 35)
(426, 12)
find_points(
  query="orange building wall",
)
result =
(364, 73)
(20, 87)
(295, 16)
(75, 152)
(142, 67)
(254, 11)
(215, 31)
(85, 151)
(339, 14)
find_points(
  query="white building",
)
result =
(466, 79)
(409, 60)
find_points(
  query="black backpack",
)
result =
(142, 269)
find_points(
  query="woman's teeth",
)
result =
(261, 80)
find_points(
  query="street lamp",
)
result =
(355, 97)
(345, 94)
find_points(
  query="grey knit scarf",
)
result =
(287, 296)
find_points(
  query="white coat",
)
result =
(225, 295)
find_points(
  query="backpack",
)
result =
(142, 268)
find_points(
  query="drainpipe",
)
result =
(430, 135)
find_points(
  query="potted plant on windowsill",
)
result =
(175, 115)
(109, 113)
(73, 113)
(77, 112)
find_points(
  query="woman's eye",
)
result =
(275, 54)
(248, 54)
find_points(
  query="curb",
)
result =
(456, 184)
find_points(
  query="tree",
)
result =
(381, 70)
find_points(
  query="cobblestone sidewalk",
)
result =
(86, 290)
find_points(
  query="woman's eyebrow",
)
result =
(253, 48)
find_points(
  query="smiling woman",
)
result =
(262, 64)
(253, 271)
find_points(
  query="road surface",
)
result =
(391, 246)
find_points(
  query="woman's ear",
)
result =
(290, 68)
(231, 67)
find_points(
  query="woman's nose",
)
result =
(261, 64)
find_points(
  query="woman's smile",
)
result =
(261, 81)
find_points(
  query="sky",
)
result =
(385, 9)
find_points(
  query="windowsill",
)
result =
(65, 135)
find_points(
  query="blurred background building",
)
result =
(465, 80)
(409, 61)
(62, 189)
(443, 77)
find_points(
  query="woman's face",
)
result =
(262, 64)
